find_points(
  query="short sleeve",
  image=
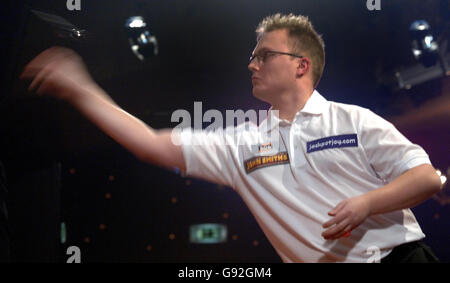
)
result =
(209, 155)
(389, 152)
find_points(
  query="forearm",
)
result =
(60, 73)
(101, 110)
(410, 189)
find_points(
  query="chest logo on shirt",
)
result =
(350, 140)
(265, 147)
(265, 161)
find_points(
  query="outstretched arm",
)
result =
(61, 73)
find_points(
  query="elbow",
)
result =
(428, 179)
(435, 182)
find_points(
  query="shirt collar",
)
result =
(315, 105)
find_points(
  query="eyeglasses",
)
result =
(261, 58)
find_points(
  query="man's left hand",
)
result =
(347, 215)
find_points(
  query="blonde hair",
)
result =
(304, 40)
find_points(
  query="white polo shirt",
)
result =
(291, 175)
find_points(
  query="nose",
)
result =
(253, 66)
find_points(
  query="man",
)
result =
(327, 182)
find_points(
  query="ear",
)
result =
(304, 64)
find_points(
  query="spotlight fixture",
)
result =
(434, 61)
(429, 47)
(424, 47)
(143, 44)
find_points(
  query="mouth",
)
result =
(255, 78)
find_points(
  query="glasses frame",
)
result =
(262, 58)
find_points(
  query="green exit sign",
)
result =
(208, 233)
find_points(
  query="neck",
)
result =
(289, 104)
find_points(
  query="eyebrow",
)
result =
(262, 50)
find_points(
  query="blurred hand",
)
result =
(347, 215)
(57, 72)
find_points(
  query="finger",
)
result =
(335, 210)
(336, 230)
(336, 219)
(42, 89)
(330, 222)
(46, 85)
(38, 79)
(29, 72)
(48, 56)
(345, 233)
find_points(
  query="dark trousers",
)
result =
(413, 252)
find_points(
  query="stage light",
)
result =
(142, 43)
(137, 22)
(433, 59)
(443, 180)
(441, 176)
(424, 47)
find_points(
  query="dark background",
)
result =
(61, 168)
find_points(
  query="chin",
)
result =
(256, 93)
(260, 94)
